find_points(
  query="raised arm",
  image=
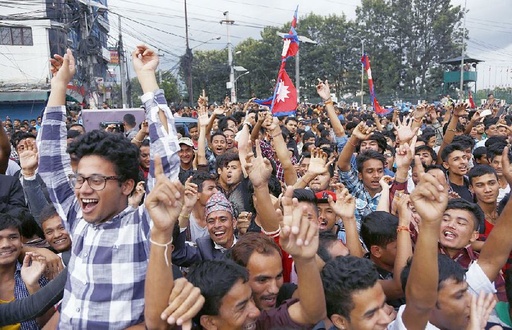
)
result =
(345, 207)
(290, 175)
(498, 245)
(259, 170)
(162, 131)
(299, 237)
(34, 194)
(317, 165)
(361, 132)
(458, 111)
(54, 161)
(324, 92)
(202, 162)
(163, 204)
(430, 199)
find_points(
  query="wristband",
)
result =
(329, 101)
(403, 228)
(166, 246)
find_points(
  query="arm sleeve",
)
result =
(163, 143)
(34, 305)
(54, 161)
(35, 196)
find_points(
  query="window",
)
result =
(21, 36)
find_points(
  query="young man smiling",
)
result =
(108, 262)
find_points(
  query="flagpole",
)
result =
(362, 74)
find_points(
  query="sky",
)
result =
(161, 24)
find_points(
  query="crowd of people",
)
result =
(333, 218)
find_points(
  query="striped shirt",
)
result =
(107, 269)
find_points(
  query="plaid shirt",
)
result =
(107, 269)
(268, 152)
(365, 203)
(20, 292)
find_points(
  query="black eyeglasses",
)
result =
(96, 182)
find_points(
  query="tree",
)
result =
(169, 84)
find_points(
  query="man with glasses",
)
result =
(107, 268)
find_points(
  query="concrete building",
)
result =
(32, 31)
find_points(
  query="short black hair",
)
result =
(495, 149)
(447, 151)
(214, 134)
(129, 119)
(344, 276)
(224, 159)
(325, 240)
(479, 152)
(367, 155)
(215, 278)
(18, 136)
(9, 221)
(480, 170)
(427, 148)
(378, 228)
(465, 141)
(47, 212)
(112, 147)
(448, 269)
(473, 208)
(199, 177)
(29, 226)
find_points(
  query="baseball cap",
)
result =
(322, 196)
(186, 141)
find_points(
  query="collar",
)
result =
(221, 248)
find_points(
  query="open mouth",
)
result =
(88, 204)
(6, 253)
(60, 241)
(449, 235)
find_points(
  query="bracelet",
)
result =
(353, 145)
(138, 141)
(184, 216)
(451, 130)
(418, 120)
(166, 246)
(329, 101)
(249, 125)
(272, 233)
(403, 228)
(277, 134)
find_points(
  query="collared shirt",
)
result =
(21, 291)
(268, 152)
(466, 257)
(107, 268)
(223, 249)
(212, 161)
(365, 203)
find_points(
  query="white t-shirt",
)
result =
(477, 282)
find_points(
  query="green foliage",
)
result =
(405, 39)
(168, 83)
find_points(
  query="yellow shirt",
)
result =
(16, 326)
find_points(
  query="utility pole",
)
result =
(461, 87)
(231, 84)
(188, 58)
(120, 51)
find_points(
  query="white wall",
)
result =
(26, 65)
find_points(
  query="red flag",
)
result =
(373, 98)
(291, 40)
(285, 99)
(471, 102)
